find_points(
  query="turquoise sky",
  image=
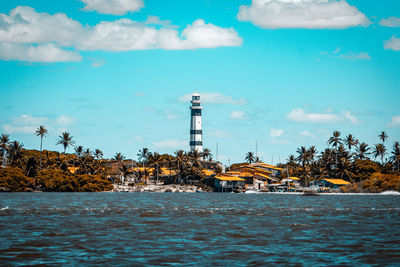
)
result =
(280, 80)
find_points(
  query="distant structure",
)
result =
(196, 134)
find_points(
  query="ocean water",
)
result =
(198, 229)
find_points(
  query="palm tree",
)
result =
(207, 154)
(362, 151)
(380, 150)
(79, 151)
(65, 139)
(396, 156)
(98, 154)
(250, 157)
(383, 136)
(312, 152)
(143, 155)
(195, 158)
(4, 142)
(41, 131)
(155, 161)
(335, 139)
(180, 161)
(350, 141)
(15, 151)
(119, 158)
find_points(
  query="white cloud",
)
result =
(390, 22)
(125, 34)
(140, 94)
(214, 98)
(11, 129)
(276, 132)
(350, 55)
(300, 116)
(65, 120)
(393, 44)
(395, 121)
(113, 7)
(47, 52)
(24, 124)
(48, 34)
(172, 144)
(354, 56)
(237, 115)
(25, 25)
(309, 14)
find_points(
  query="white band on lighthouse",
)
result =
(196, 134)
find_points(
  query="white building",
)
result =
(196, 134)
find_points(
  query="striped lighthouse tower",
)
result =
(196, 134)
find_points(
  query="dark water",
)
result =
(198, 229)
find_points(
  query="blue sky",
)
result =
(120, 81)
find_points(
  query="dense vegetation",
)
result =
(370, 169)
(86, 170)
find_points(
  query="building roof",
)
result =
(294, 178)
(268, 166)
(208, 172)
(337, 181)
(228, 178)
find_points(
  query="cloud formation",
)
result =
(214, 98)
(395, 121)
(237, 115)
(24, 124)
(307, 14)
(276, 132)
(350, 55)
(390, 22)
(393, 44)
(113, 7)
(47, 52)
(39, 34)
(300, 116)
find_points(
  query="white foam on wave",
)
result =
(389, 193)
(4, 208)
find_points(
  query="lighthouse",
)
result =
(196, 134)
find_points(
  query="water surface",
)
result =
(198, 229)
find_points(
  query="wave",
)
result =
(389, 193)
(4, 208)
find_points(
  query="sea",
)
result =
(198, 229)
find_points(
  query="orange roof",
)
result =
(73, 169)
(265, 165)
(262, 175)
(208, 172)
(228, 178)
(294, 178)
(337, 181)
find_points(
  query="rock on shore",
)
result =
(174, 188)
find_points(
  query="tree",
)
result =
(65, 139)
(207, 154)
(350, 141)
(79, 151)
(155, 161)
(383, 136)
(250, 157)
(4, 142)
(362, 151)
(15, 152)
(312, 152)
(119, 158)
(41, 131)
(379, 151)
(180, 161)
(143, 155)
(98, 154)
(335, 139)
(396, 156)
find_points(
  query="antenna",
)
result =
(256, 150)
(217, 151)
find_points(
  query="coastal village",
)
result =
(338, 168)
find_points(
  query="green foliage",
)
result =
(382, 182)
(363, 169)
